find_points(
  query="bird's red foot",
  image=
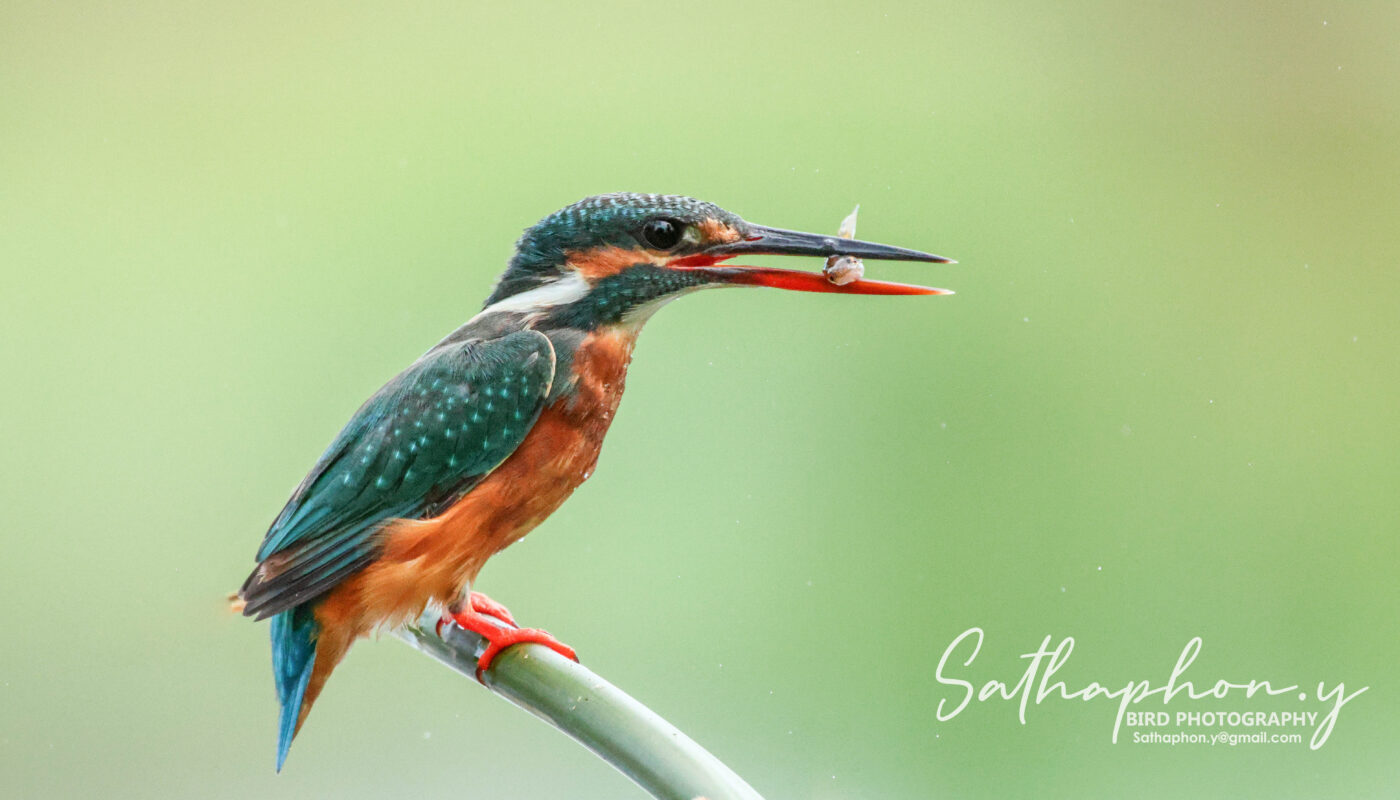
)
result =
(485, 605)
(493, 622)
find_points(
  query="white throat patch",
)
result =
(566, 290)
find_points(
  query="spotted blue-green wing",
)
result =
(414, 448)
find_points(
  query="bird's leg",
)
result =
(493, 622)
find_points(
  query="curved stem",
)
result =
(596, 714)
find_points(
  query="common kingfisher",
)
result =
(485, 435)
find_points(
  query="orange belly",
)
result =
(431, 560)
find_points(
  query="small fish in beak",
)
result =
(841, 270)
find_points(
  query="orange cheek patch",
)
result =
(715, 232)
(600, 262)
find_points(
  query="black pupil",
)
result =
(663, 234)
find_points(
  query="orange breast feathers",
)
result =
(432, 560)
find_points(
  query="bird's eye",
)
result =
(662, 234)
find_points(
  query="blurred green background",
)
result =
(1161, 405)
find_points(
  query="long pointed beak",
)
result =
(776, 241)
(779, 242)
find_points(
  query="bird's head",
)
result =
(615, 258)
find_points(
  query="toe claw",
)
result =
(507, 638)
(485, 605)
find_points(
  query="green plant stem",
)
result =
(596, 714)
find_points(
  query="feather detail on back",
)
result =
(413, 449)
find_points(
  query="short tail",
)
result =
(294, 635)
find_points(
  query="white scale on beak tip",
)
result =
(842, 270)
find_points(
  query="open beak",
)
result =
(776, 241)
